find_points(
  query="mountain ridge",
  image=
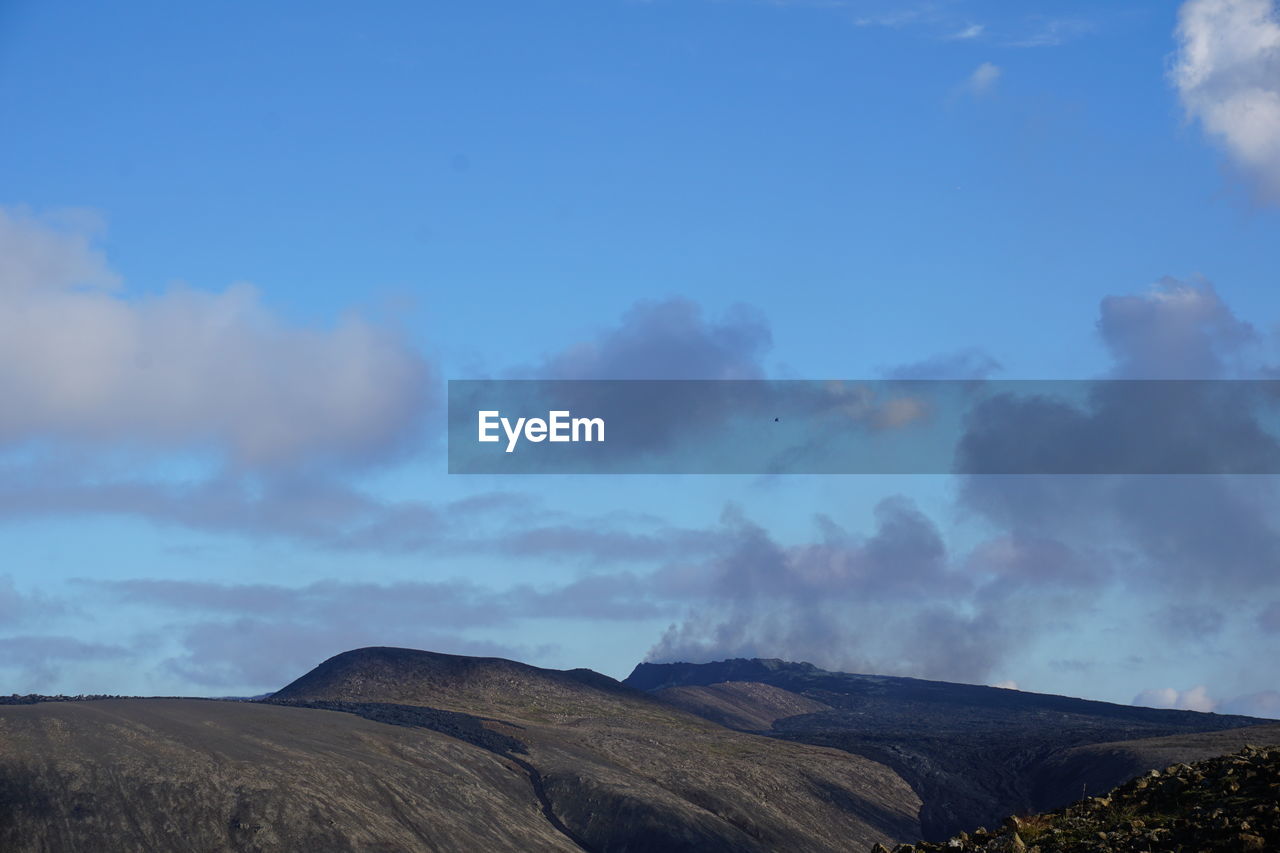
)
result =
(385, 746)
(972, 753)
(600, 747)
(651, 676)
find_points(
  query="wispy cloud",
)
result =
(223, 628)
(1035, 32)
(955, 21)
(972, 31)
(37, 659)
(330, 515)
(983, 79)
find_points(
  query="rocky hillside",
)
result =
(620, 769)
(1097, 768)
(746, 705)
(1230, 802)
(190, 774)
(394, 749)
(972, 753)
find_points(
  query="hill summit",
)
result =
(477, 685)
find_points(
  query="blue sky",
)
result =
(246, 246)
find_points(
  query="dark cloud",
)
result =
(1121, 427)
(888, 602)
(1185, 548)
(891, 601)
(944, 642)
(668, 339)
(1023, 560)
(1173, 535)
(1176, 330)
(971, 363)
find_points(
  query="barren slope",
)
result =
(973, 753)
(745, 705)
(624, 770)
(189, 774)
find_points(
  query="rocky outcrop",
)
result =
(1071, 774)
(1227, 803)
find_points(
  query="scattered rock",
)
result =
(1225, 803)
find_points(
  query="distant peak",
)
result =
(413, 676)
(652, 676)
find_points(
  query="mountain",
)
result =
(625, 770)
(974, 754)
(745, 705)
(395, 749)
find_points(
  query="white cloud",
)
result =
(1227, 71)
(970, 32)
(1006, 685)
(983, 78)
(1195, 699)
(186, 369)
(1264, 704)
(51, 254)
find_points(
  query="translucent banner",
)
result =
(864, 427)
